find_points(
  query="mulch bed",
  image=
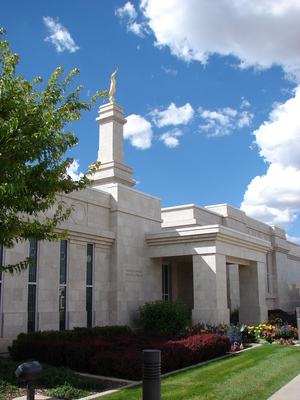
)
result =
(110, 385)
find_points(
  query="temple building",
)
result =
(123, 250)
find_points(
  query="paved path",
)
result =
(36, 397)
(290, 391)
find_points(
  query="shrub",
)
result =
(234, 316)
(120, 356)
(170, 318)
(67, 392)
(207, 347)
(192, 350)
(31, 343)
(175, 354)
(279, 316)
(126, 362)
(114, 330)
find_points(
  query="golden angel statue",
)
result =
(112, 86)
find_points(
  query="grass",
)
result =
(254, 374)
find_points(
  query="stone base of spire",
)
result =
(113, 172)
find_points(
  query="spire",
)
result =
(111, 155)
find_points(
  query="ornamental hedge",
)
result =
(25, 344)
(120, 355)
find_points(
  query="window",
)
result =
(32, 284)
(63, 285)
(268, 273)
(89, 283)
(166, 281)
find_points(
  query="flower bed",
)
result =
(282, 333)
(273, 333)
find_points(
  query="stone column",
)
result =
(281, 279)
(253, 309)
(210, 289)
(282, 288)
(76, 288)
(233, 286)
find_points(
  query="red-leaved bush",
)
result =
(120, 356)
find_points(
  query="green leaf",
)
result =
(34, 138)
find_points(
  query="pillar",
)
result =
(233, 286)
(253, 308)
(210, 289)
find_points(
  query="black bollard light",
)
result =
(244, 331)
(29, 371)
(151, 375)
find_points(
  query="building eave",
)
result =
(201, 234)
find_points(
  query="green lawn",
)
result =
(254, 374)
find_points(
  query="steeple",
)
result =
(111, 155)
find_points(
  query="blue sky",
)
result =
(210, 91)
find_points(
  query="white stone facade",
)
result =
(218, 258)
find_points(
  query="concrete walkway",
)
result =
(290, 391)
(36, 397)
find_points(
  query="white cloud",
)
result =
(279, 138)
(170, 138)
(293, 239)
(245, 119)
(129, 15)
(170, 71)
(59, 36)
(173, 115)
(127, 11)
(224, 121)
(258, 33)
(138, 130)
(275, 197)
(245, 103)
(136, 28)
(73, 172)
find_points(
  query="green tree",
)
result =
(34, 137)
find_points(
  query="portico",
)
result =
(206, 253)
